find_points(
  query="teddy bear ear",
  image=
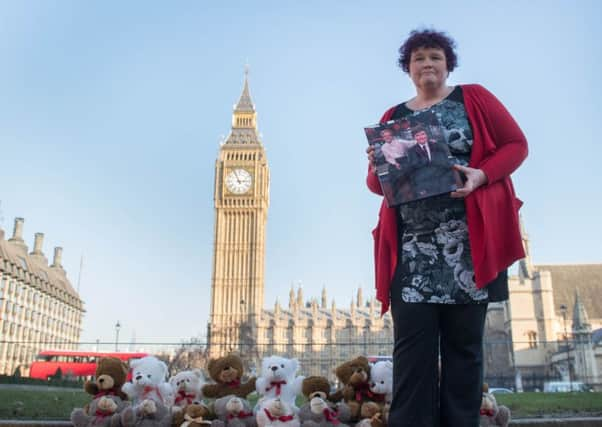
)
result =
(389, 364)
(363, 360)
(134, 363)
(198, 372)
(163, 368)
(295, 363)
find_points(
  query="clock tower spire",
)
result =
(241, 196)
(244, 118)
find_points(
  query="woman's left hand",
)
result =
(474, 179)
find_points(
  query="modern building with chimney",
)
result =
(39, 309)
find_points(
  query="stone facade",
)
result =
(537, 320)
(39, 309)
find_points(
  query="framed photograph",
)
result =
(412, 157)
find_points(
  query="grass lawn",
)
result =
(40, 404)
(57, 405)
(527, 405)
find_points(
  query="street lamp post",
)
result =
(117, 327)
(563, 310)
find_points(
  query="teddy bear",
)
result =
(148, 413)
(355, 377)
(278, 380)
(492, 414)
(110, 375)
(192, 415)
(381, 380)
(148, 382)
(319, 411)
(187, 387)
(371, 415)
(275, 412)
(233, 411)
(227, 373)
(381, 384)
(101, 412)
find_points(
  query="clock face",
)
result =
(238, 181)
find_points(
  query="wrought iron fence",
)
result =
(512, 365)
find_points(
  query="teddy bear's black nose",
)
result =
(274, 368)
(138, 377)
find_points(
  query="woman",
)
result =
(440, 260)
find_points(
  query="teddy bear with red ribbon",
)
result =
(275, 412)
(320, 410)
(355, 377)
(492, 414)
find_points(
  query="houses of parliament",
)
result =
(526, 335)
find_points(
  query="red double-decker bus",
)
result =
(72, 363)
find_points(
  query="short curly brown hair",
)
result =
(428, 38)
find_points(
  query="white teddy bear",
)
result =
(381, 379)
(278, 380)
(381, 384)
(276, 413)
(187, 387)
(148, 382)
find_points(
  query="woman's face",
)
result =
(428, 67)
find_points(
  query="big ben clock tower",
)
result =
(241, 198)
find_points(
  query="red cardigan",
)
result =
(499, 147)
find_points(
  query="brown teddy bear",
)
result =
(193, 415)
(108, 400)
(226, 372)
(355, 377)
(111, 374)
(320, 411)
(372, 415)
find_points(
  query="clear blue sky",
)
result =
(111, 115)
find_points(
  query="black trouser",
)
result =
(422, 331)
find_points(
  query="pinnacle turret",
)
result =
(580, 317)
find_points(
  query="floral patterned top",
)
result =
(435, 264)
